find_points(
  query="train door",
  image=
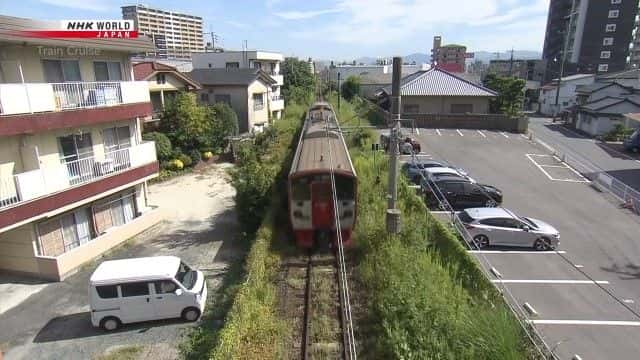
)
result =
(322, 205)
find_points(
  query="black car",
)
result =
(460, 193)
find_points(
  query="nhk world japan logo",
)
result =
(100, 29)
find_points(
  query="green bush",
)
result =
(351, 87)
(185, 159)
(163, 144)
(195, 156)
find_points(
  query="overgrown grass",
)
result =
(122, 353)
(426, 298)
(245, 323)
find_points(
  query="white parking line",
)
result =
(567, 282)
(438, 131)
(584, 322)
(516, 252)
(541, 167)
(481, 133)
(524, 136)
(417, 131)
(459, 132)
(504, 134)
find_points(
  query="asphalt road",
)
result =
(591, 154)
(587, 294)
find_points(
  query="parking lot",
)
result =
(584, 299)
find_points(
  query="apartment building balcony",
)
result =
(277, 102)
(277, 77)
(33, 193)
(32, 107)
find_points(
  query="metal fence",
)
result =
(73, 95)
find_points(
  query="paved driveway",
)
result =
(54, 323)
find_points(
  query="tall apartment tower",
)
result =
(599, 31)
(175, 35)
(448, 57)
(634, 56)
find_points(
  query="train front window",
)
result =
(300, 189)
(345, 188)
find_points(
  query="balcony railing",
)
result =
(277, 97)
(41, 97)
(48, 180)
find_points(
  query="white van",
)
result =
(141, 289)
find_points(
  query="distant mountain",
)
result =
(366, 60)
(419, 58)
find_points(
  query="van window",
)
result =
(165, 287)
(107, 292)
(135, 289)
(186, 276)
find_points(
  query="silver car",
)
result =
(433, 173)
(499, 226)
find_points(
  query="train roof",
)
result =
(319, 148)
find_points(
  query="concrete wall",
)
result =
(17, 250)
(470, 121)
(30, 58)
(258, 116)
(442, 104)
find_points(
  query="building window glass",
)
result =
(607, 41)
(57, 71)
(603, 67)
(616, 2)
(161, 79)
(258, 101)
(63, 233)
(232, 65)
(114, 211)
(223, 98)
(204, 97)
(613, 14)
(107, 71)
(605, 54)
(610, 28)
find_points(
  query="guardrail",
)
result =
(600, 178)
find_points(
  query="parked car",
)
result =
(437, 172)
(413, 169)
(460, 193)
(499, 226)
(633, 142)
(141, 289)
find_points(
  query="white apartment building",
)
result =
(73, 165)
(269, 62)
(175, 35)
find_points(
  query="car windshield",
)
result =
(635, 135)
(529, 222)
(465, 217)
(186, 276)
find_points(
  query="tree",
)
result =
(351, 87)
(224, 125)
(510, 94)
(299, 82)
(163, 144)
(187, 123)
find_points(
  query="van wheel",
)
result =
(110, 323)
(190, 314)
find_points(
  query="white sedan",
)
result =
(499, 226)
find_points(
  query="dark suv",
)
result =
(460, 193)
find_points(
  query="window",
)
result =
(610, 28)
(257, 65)
(204, 97)
(57, 71)
(186, 276)
(135, 289)
(461, 108)
(492, 222)
(107, 291)
(410, 108)
(107, 71)
(64, 233)
(223, 98)
(258, 101)
(116, 138)
(165, 287)
(161, 79)
(607, 41)
(616, 2)
(232, 65)
(77, 154)
(614, 14)
(114, 211)
(605, 54)
(603, 67)
(511, 223)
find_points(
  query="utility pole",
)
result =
(339, 91)
(393, 213)
(564, 58)
(511, 64)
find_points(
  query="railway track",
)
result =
(314, 306)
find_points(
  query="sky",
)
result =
(334, 29)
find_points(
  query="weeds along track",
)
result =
(312, 303)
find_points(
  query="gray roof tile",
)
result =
(229, 76)
(437, 82)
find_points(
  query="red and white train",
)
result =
(322, 150)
